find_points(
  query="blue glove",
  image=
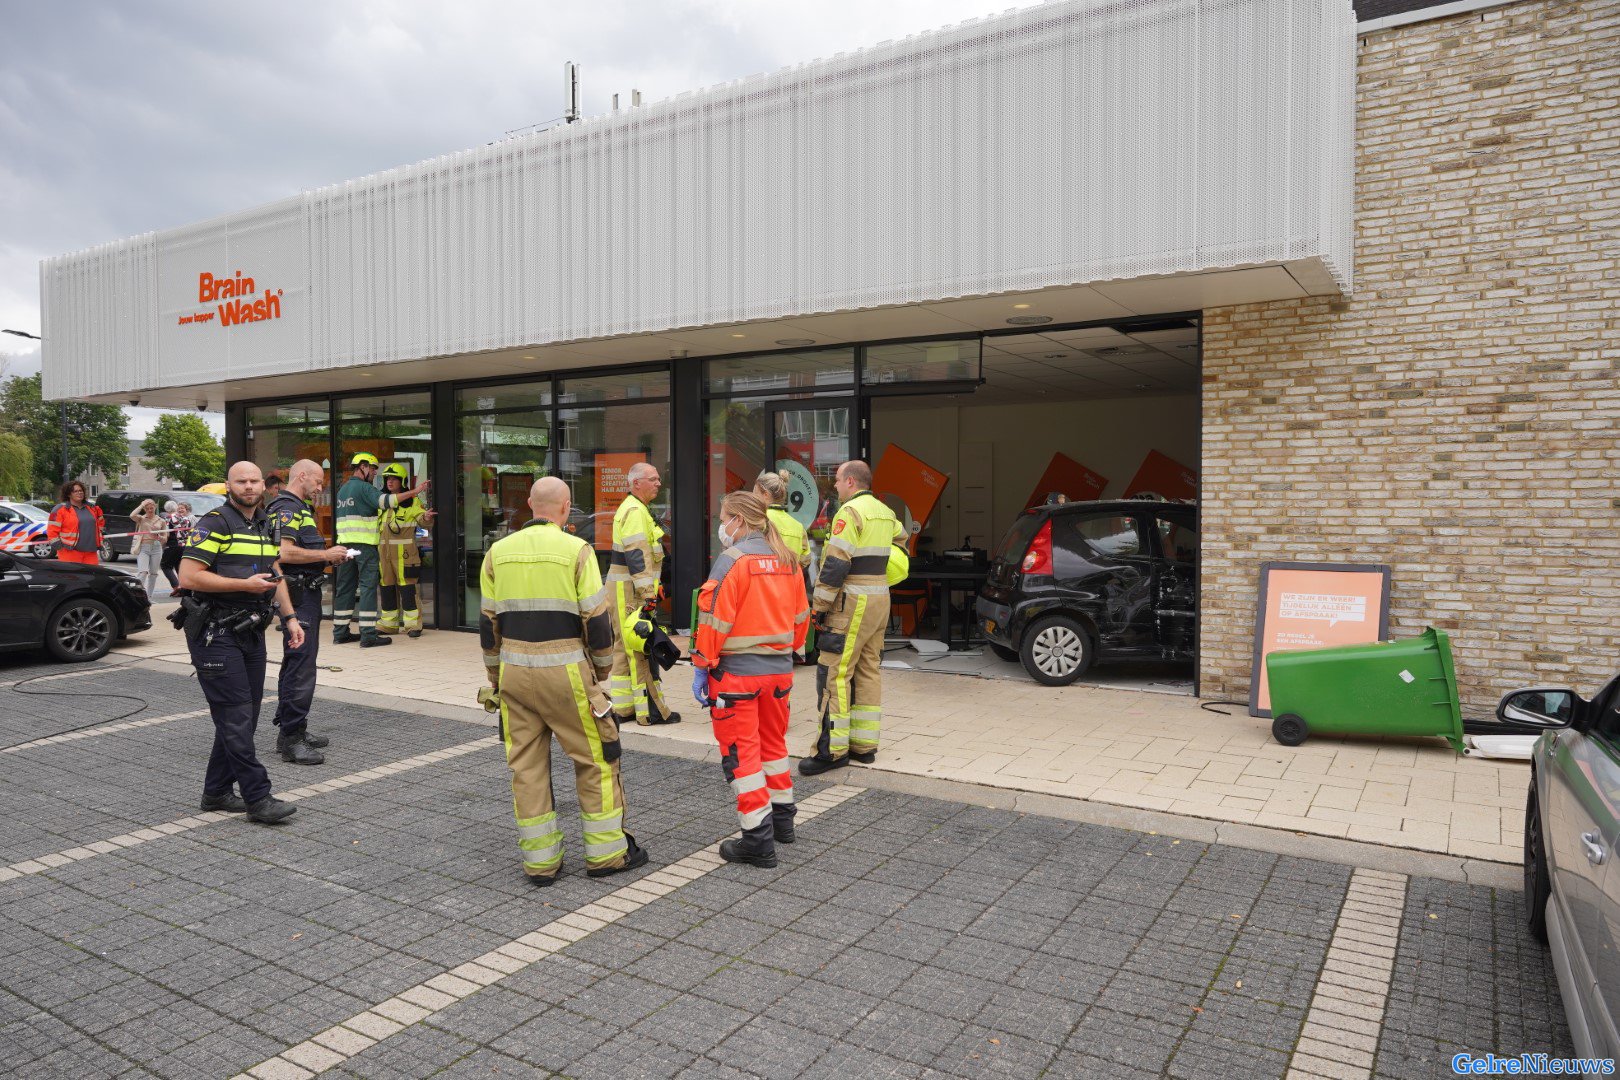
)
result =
(700, 686)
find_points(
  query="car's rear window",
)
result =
(1016, 542)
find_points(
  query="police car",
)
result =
(23, 529)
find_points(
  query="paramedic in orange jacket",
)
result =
(76, 527)
(752, 616)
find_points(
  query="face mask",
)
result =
(723, 536)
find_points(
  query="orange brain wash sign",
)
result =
(236, 300)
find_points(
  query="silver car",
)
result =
(1571, 841)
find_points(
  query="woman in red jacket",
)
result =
(76, 527)
(752, 617)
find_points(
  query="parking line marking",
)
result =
(103, 729)
(90, 849)
(94, 669)
(1340, 1035)
(420, 1002)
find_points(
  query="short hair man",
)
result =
(634, 571)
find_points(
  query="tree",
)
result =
(16, 466)
(96, 435)
(181, 447)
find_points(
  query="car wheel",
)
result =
(1056, 651)
(1290, 730)
(41, 551)
(1009, 655)
(80, 630)
(1537, 882)
(108, 552)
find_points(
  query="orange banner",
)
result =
(1313, 606)
(1165, 477)
(912, 481)
(1066, 475)
(612, 485)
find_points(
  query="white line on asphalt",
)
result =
(1340, 1034)
(40, 863)
(94, 669)
(104, 729)
(344, 1040)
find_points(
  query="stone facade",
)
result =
(1458, 417)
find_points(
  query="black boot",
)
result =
(782, 825)
(815, 766)
(343, 637)
(373, 639)
(270, 811)
(293, 748)
(635, 856)
(865, 757)
(756, 847)
(413, 633)
(317, 741)
(229, 803)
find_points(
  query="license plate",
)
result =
(989, 626)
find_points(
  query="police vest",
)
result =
(544, 593)
(235, 546)
(791, 531)
(357, 506)
(296, 522)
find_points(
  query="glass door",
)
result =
(808, 441)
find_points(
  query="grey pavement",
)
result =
(900, 937)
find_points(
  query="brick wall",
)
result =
(1459, 417)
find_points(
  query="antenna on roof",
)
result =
(570, 91)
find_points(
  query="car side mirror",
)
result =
(1541, 706)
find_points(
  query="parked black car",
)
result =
(1078, 583)
(117, 505)
(72, 611)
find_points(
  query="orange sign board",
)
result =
(236, 299)
(1313, 606)
(1066, 475)
(612, 485)
(1163, 476)
(911, 480)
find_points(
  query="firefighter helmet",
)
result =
(363, 458)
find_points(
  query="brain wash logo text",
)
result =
(236, 300)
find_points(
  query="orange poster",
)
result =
(1312, 606)
(612, 485)
(1163, 476)
(911, 480)
(1066, 475)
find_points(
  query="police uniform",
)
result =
(633, 575)
(852, 593)
(296, 686)
(230, 663)
(546, 628)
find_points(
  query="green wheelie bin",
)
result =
(1404, 687)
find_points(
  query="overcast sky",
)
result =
(119, 118)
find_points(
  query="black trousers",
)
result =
(231, 672)
(296, 686)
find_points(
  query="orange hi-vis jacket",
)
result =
(752, 612)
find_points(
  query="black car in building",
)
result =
(1074, 584)
(72, 611)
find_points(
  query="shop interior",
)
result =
(1093, 413)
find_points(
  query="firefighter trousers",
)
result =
(849, 675)
(398, 572)
(633, 683)
(537, 703)
(354, 594)
(750, 717)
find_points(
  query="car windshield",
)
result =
(1016, 542)
(32, 513)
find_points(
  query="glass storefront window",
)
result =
(278, 435)
(504, 438)
(397, 428)
(921, 362)
(595, 449)
(825, 368)
(808, 436)
(636, 386)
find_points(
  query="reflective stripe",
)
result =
(590, 603)
(738, 644)
(754, 818)
(492, 660)
(840, 545)
(866, 590)
(543, 827)
(781, 796)
(802, 616)
(706, 619)
(601, 660)
(535, 604)
(882, 550)
(543, 858)
(828, 593)
(602, 852)
(742, 785)
(772, 768)
(628, 538)
(538, 660)
(604, 823)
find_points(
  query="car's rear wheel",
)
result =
(1056, 651)
(1009, 655)
(80, 630)
(1537, 881)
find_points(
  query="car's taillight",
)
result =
(1038, 559)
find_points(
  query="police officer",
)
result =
(546, 627)
(227, 566)
(304, 559)
(851, 609)
(358, 505)
(633, 576)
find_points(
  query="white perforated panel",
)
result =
(1067, 143)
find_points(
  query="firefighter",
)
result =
(76, 528)
(633, 580)
(358, 505)
(851, 613)
(304, 559)
(227, 567)
(752, 615)
(399, 558)
(546, 625)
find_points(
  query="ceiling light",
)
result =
(528, 358)
(796, 341)
(1020, 307)
(1028, 320)
(739, 335)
